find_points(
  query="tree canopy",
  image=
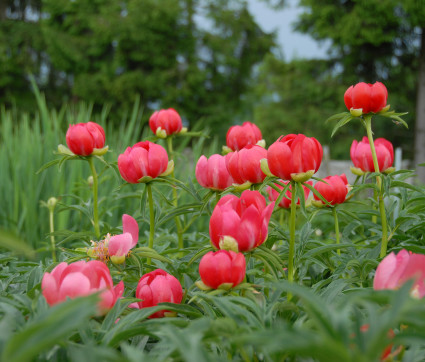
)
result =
(194, 55)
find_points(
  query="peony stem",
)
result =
(384, 243)
(292, 235)
(175, 201)
(151, 215)
(95, 200)
(151, 218)
(334, 212)
(217, 197)
(52, 230)
(282, 216)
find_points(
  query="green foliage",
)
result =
(332, 300)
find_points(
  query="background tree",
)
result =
(196, 56)
(298, 97)
(374, 40)
(21, 45)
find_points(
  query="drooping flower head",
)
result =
(117, 247)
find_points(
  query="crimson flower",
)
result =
(366, 97)
(83, 138)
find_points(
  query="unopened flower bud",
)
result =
(51, 203)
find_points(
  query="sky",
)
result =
(293, 44)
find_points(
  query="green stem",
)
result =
(384, 243)
(374, 217)
(282, 216)
(292, 236)
(336, 228)
(151, 215)
(95, 201)
(151, 218)
(217, 197)
(52, 238)
(175, 202)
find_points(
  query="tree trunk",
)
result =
(420, 114)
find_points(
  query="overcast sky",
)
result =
(293, 44)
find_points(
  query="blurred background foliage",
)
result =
(211, 61)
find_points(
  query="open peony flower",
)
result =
(81, 279)
(143, 162)
(366, 97)
(294, 157)
(117, 247)
(120, 245)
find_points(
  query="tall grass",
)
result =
(29, 141)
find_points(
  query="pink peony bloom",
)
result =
(394, 270)
(144, 159)
(158, 287)
(120, 245)
(167, 120)
(244, 165)
(239, 137)
(294, 154)
(81, 279)
(212, 173)
(361, 154)
(246, 219)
